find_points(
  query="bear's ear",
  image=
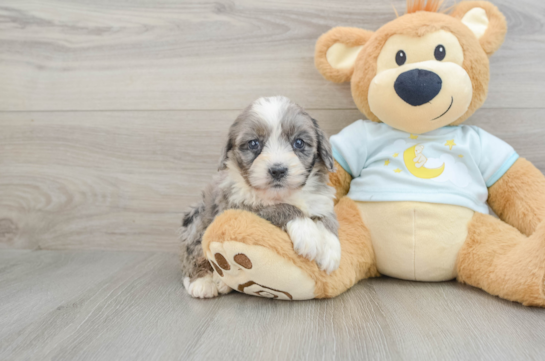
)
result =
(337, 50)
(485, 21)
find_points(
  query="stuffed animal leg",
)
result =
(253, 256)
(507, 257)
(499, 259)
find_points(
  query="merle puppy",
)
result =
(276, 164)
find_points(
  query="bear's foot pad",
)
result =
(258, 271)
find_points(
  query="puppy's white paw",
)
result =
(203, 287)
(222, 286)
(305, 236)
(329, 257)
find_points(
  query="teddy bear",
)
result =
(413, 184)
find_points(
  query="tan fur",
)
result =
(348, 36)
(499, 259)
(497, 26)
(357, 262)
(416, 24)
(340, 180)
(518, 197)
(358, 258)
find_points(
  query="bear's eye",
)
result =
(401, 58)
(440, 52)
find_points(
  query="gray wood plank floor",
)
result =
(97, 305)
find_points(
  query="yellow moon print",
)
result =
(426, 173)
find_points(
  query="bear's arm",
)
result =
(340, 180)
(518, 197)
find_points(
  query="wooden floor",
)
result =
(97, 305)
(113, 114)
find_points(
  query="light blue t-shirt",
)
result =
(451, 165)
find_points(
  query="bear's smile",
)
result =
(446, 111)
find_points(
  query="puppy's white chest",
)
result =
(302, 205)
(313, 205)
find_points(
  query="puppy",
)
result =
(275, 164)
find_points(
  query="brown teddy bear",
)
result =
(413, 184)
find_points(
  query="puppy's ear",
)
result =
(485, 21)
(225, 155)
(337, 50)
(324, 147)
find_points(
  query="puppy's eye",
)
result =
(298, 144)
(253, 144)
(401, 57)
(440, 52)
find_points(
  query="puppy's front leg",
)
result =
(315, 239)
(198, 275)
(329, 252)
(305, 236)
(204, 283)
(303, 232)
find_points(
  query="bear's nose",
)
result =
(417, 86)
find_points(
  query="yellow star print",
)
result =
(450, 144)
(395, 155)
(461, 156)
(412, 136)
(387, 162)
(397, 170)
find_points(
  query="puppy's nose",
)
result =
(278, 172)
(418, 86)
